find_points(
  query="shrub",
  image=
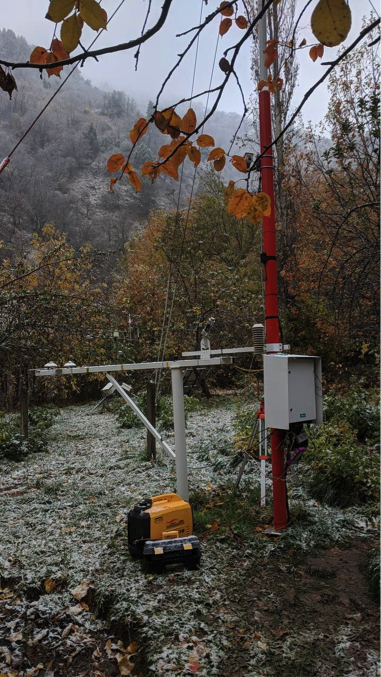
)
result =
(164, 413)
(43, 417)
(341, 471)
(360, 409)
(13, 446)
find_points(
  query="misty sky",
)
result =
(117, 71)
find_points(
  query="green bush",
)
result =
(341, 471)
(360, 409)
(43, 417)
(164, 414)
(13, 446)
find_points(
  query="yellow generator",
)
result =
(160, 532)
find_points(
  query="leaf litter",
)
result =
(70, 591)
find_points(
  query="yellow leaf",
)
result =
(262, 202)
(71, 32)
(38, 55)
(189, 122)
(220, 163)
(225, 25)
(125, 665)
(241, 22)
(115, 162)
(59, 9)
(93, 14)
(255, 216)
(331, 21)
(140, 128)
(239, 163)
(135, 181)
(216, 154)
(132, 648)
(80, 591)
(49, 585)
(205, 140)
(229, 191)
(239, 203)
(194, 155)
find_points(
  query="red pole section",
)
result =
(271, 302)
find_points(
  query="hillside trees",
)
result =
(52, 307)
(212, 259)
(332, 260)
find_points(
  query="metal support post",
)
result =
(271, 277)
(180, 439)
(262, 456)
(151, 415)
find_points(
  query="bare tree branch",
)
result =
(99, 52)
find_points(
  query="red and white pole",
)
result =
(271, 278)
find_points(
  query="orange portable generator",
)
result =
(160, 532)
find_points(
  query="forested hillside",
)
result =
(59, 172)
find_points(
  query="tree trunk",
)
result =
(24, 403)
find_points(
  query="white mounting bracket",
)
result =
(274, 347)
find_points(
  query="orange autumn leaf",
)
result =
(59, 50)
(239, 163)
(113, 181)
(204, 140)
(303, 42)
(239, 203)
(165, 151)
(38, 55)
(226, 10)
(127, 168)
(135, 181)
(169, 170)
(149, 169)
(160, 121)
(216, 154)
(241, 22)
(53, 71)
(313, 53)
(194, 155)
(320, 50)
(140, 128)
(271, 52)
(179, 156)
(262, 202)
(115, 162)
(225, 25)
(219, 164)
(189, 122)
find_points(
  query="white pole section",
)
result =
(140, 414)
(262, 434)
(180, 439)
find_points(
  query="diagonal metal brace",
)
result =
(140, 414)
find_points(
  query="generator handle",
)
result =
(164, 498)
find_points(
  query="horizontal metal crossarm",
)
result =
(132, 366)
(219, 351)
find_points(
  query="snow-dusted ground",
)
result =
(64, 518)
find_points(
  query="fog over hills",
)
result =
(59, 172)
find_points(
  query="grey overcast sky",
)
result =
(116, 71)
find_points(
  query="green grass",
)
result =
(222, 513)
